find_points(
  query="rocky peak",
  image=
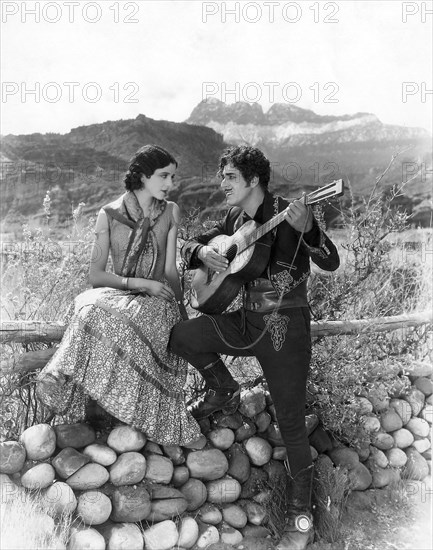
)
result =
(214, 110)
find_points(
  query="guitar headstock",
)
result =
(333, 189)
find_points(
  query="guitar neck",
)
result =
(334, 189)
(268, 226)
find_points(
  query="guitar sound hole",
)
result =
(231, 252)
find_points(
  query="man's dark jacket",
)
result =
(288, 268)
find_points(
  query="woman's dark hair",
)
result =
(250, 162)
(145, 161)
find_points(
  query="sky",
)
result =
(72, 63)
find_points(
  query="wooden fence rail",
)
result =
(27, 332)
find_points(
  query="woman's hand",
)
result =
(153, 288)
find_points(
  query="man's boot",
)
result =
(222, 392)
(299, 530)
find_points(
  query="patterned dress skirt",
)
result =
(115, 351)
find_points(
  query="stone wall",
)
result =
(126, 492)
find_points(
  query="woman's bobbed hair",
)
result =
(145, 161)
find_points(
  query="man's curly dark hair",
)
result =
(249, 161)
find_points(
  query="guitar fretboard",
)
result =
(333, 189)
(262, 230)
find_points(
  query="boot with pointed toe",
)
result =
(299, 531)
(222, 392)
(226, 400)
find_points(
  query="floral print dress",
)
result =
(115, 348)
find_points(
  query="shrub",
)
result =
(375, 279)
(40, 277)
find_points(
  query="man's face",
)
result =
(236, 189)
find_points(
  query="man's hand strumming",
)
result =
(212, 259)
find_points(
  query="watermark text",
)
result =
(53, 92)
(70, 12)
(269, 12)
(252, 92)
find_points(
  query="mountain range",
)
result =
(306, 150)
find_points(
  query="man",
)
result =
(275, 303)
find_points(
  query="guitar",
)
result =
(213, 292)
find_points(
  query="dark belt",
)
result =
(261, 296)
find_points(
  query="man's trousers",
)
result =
(283, 351)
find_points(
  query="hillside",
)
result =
(306, 150)
(87, 165)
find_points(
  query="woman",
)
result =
(115, 347)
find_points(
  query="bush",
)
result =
(41, 276)
(376, 279)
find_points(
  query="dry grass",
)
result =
(25, 525)
(330, 492)
(411, 249)
(276, 506)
